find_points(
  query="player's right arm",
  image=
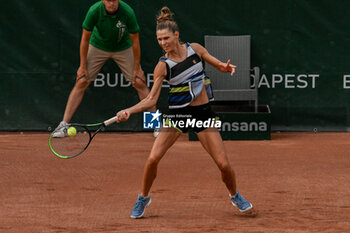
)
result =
(159, 74)
(84, 46)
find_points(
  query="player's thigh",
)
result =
(96, 58)
(212, 142)
(125, 61)
(165, 139)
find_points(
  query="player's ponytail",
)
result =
(165, 20)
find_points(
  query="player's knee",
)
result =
(82, 84)
(224, 167)
(139, 84)
(152, 162)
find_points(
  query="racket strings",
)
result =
(71, 145)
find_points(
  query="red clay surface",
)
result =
(298, 182)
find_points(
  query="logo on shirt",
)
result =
(151, 120)
(120, 25)
(121, 28)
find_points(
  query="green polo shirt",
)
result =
(111, 32)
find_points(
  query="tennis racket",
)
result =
(77, 138)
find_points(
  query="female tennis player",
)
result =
(182, 67)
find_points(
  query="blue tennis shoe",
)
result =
(140, 206)
(242, 204)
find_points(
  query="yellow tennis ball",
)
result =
(72, 131)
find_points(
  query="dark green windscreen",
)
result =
(301, 46)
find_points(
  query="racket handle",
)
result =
(110, 121)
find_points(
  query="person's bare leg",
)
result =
(212, 142)
(164, 141)
(75, 98)
(141, 88)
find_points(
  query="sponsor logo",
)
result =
(273, 81)
(288, 81)
(120, 24)
(118, 80)
(121, 28)
(244, 127)
(346, 81)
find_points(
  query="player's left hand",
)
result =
(123, 115)
(227, 67)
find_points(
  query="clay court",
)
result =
(297, 182)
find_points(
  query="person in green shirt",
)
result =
(110, 31)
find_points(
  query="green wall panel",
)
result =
(302, 48)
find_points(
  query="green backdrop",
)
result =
(301, 46)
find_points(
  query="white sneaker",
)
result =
(156, 132)
(61, 130)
